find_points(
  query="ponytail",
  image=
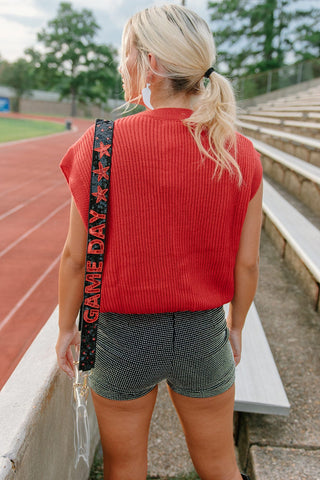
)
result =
(185, 65)
(215, 114)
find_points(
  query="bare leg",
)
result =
(124, 428)
(208, 427)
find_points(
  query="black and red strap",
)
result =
(98, 206)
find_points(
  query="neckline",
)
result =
(169, 113)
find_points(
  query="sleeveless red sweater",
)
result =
(172, 231)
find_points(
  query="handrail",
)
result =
(266, 82)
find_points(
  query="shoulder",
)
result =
(250, 164)
(247, 155)
(85, 140)
(77, 159)
(245, 145)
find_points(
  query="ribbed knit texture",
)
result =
(173, 232)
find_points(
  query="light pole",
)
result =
(183, 3)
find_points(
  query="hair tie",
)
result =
(208, 72)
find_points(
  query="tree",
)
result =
(72, 63)
(307, 44)
(18, 75)
(255, 36)
(3, 64)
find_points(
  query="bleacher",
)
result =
(286, 132)
(289, 144)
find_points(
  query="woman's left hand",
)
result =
(65, 358)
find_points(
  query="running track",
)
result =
(34, 207)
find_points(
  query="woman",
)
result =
(183, 239)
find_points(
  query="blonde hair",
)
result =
(184, 47)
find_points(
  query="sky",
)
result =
(21, 20)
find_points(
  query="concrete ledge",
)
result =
(276, 463)
(300, 178)
(36, 437)
(307, 142)
(301, 234)
(288, 108)
(285, 448)
(296, 239)
(306, 128)
(6, 469)
(304, 148)
(283, 115)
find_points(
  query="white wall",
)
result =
(36, 417)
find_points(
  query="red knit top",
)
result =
(172, 231)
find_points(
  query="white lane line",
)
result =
(33, 229)
(30, 200)
(18, 186)
(29, 292)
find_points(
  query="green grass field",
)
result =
(17, 129)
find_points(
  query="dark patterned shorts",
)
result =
(190, 350)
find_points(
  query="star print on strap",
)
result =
(100, 194)
(102, 172)
(103, 150)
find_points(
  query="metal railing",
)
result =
(265, 82)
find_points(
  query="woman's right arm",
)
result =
(246, 272)
(71, 280)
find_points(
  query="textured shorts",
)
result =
(190, 350)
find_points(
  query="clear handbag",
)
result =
(80, 394)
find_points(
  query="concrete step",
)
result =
(309, 95)
(300, 127)
(291, 108)
(302, 147)
(296, 238)
(302, 208)
(302, 102)
(302, 116)
(300, 178)
(285, 448)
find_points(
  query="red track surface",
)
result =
(34, 206)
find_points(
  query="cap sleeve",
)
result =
(257, 173)
(76, 167)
